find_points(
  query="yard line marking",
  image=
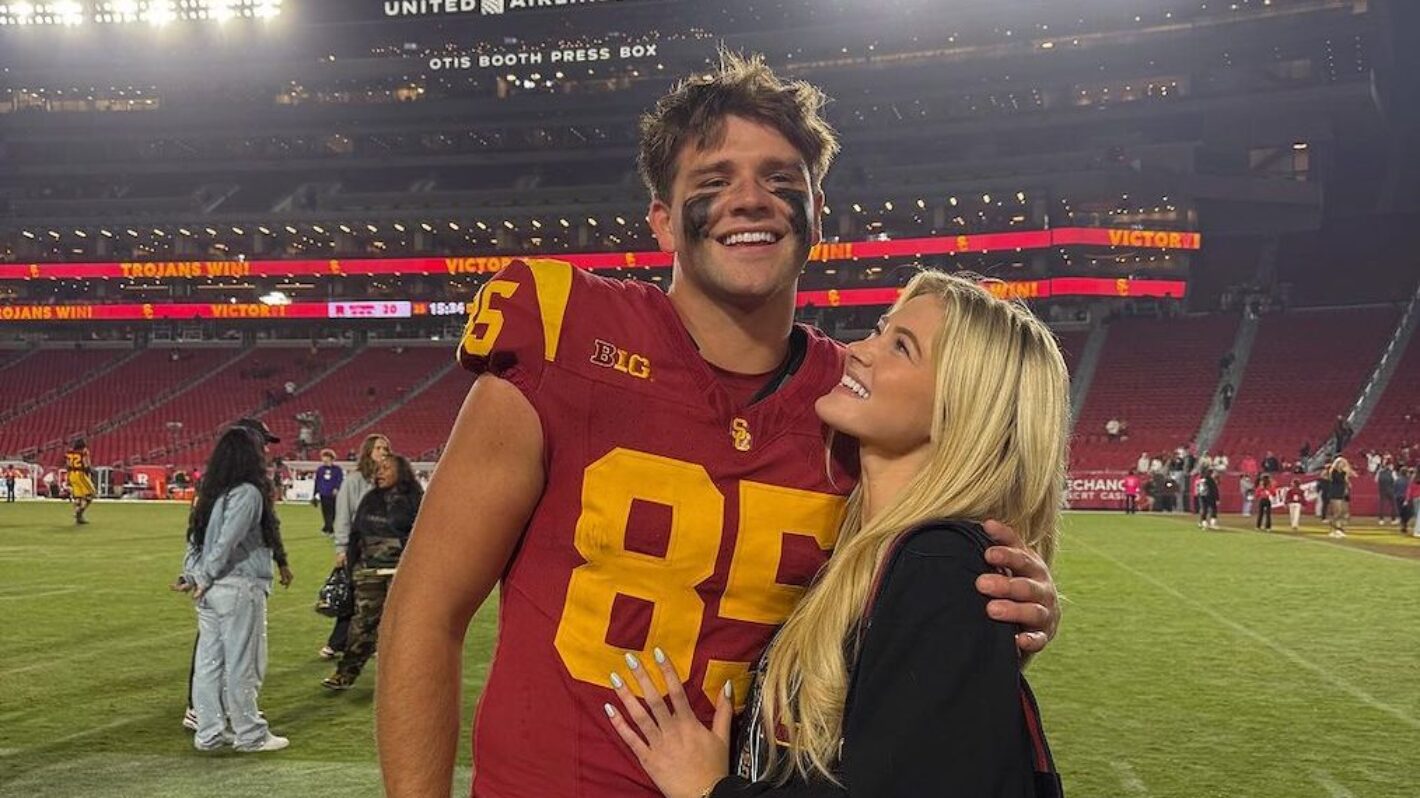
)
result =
(111, 725)
(1332, 787)
(1133, 785)
(1295, 658)
(41, 594)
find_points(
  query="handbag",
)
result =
(336, 598)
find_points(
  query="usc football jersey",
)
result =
(671, 518)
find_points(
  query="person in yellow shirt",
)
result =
(81, 478)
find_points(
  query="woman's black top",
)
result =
(935, 702)
(382, 523)
(1340, 487)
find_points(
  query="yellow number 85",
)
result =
(752, 593)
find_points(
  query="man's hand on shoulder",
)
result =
(1027, 596)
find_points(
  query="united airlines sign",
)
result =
(430, 8)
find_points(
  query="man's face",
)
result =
(742, 216)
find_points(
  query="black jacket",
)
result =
(381, 527)
(934, 705)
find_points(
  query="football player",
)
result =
(637, 466)
(81, 478)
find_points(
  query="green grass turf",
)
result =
(1191, 664)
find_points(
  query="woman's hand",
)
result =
(681, 756)
(340, 559)
(286, 575)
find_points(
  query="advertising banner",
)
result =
(828, 252)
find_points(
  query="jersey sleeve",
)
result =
(515, 322)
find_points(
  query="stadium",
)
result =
(286, 210)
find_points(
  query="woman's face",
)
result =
(386, 474)
(381, 450)
(887, 395)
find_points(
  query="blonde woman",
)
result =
(353, 489)
(889, 679)
(1338, 509)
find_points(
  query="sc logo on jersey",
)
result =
(608, 356)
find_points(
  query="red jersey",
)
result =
(671, 518)
(1294, 496)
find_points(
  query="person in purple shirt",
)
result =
(328, 479)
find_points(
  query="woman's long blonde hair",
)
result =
(998, 450)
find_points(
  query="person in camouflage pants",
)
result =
(378, 533)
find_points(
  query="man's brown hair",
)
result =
(744, 86)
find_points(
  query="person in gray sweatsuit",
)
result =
(231, 534)
(353, 489)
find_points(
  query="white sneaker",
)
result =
(1213, 524)
(1336, 533)
(271, 743)
(189, 719)
(226, 738)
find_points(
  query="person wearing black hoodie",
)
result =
(378, 533)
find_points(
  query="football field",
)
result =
(1191, 664)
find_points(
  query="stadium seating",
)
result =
(367, 384)
(1158, 375)
(244, 387)
(420, 427)
(1306, 368)
(1072, 345)
(1388, 429)
(141, 379)
(44, 374)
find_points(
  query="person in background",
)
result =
(1264, 502)
(1178, 475)
(1399, 491)
(1131, 493)
(1111, 428)
(1385, 483)
(231, 536)
(81, 478)
(1294, 504)
(1245, 487)
(1338, 495)
(1270, 463)
(278, 478)
(11, 474)
(1207, 490)
(373, 450)
(1412, 498)
(378, 533)
(1142, 467)
(328, 479)
(263, 437)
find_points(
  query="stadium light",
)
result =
(160, 13)
(70, 12)
(22, 12)
(223, 10)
